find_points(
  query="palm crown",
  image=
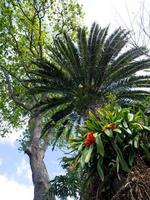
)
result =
(82, 74)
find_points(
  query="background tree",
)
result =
(138, 23)
(141, 28)
(26, 29)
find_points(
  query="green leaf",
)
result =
(92, 116)
(131, 158)
(146, 149)
(82, 159)
(117, 130)
(138, 125)
(117, 164)
(120, 156)
(130, 117)
(108, 132)
(80, 147)
(100, 146)
(146, 128)
(136, 141)
(118, 138)
(100, 169)
(89, 152)
(125, 124)
(90, 125)
(128, 131)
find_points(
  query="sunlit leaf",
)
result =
(128, 131)
(117, 130)
(108, 132)
(84, 154)
(136, 141)
(125, 124)
(88, 155)
(146, 128)
(130, 116)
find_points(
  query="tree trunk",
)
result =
(39, 175)
(36, 150)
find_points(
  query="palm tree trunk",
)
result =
(36, 151)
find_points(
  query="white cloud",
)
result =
(24, 171)
(10, 189)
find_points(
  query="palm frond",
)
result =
(84, 57)
(114, 45)
(96, 49)
(128, 70)
(129, 81)
(51, 104)
(81, 74)
(129, 56)
(56, 117)
(59, 132)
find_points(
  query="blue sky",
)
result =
(15, 174)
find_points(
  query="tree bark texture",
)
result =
(36, 150)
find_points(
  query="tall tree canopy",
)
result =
(80, 75)
(27, 27)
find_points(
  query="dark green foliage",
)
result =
(65, 185)
(68, 184)
(83, 74)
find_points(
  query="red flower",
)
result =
(90, 139)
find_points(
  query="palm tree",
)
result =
(80, 75)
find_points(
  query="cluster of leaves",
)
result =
(80, 75)
(65, 185)
(119, 135)
(26, 29)
(68, 184)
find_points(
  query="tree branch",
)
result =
(23, 11)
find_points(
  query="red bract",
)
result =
(90, 139)
(112, 126)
